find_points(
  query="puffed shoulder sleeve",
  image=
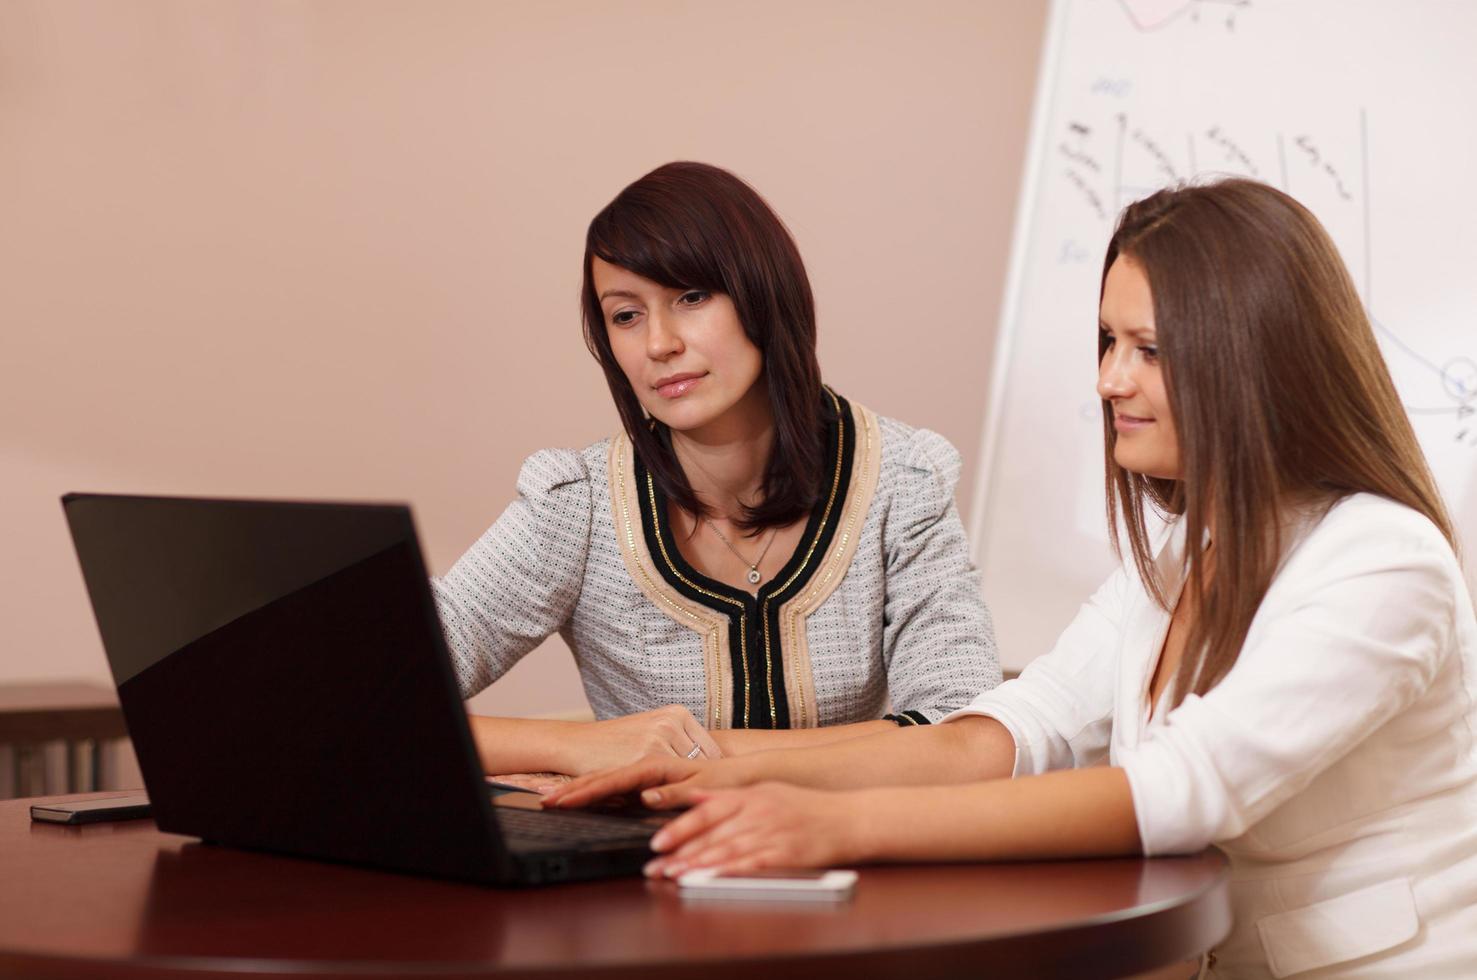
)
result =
(520, 581)
(1060, 710)
(938, 641)
(1353, 630)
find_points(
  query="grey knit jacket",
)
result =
(878, 605)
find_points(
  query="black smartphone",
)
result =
(93, 811)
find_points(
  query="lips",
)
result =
(677, 385)
(1130, 423)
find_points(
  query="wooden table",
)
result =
(81, 714)
(123, 900)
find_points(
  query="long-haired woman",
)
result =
(753, 561)
(1288, 673)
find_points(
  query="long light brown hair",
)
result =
(1280, 398)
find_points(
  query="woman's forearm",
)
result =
(970, 749)
(742, 741)
(510, 745)
(1072, 813)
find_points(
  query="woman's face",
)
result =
(1130, 378)
(683, 350)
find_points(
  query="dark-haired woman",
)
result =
(1289, 674)
(754, 561)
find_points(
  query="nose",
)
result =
(1114, 379)
(662, 341)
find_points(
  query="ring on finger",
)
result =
(697, 750)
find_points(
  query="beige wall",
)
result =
(331, 249)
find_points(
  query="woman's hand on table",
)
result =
(548, 745)
(671, 732)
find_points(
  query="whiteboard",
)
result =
(1361, 109)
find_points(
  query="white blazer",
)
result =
(1334, 764)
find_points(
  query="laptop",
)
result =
(287, 688)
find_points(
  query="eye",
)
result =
(623, 317)
(694, 297)
(1150, 352)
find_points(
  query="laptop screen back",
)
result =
(284, 678)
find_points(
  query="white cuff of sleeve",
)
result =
(982, 707)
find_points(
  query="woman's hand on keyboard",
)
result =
(664, 782)
(770, 825)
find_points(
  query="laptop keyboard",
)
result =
(537, 830)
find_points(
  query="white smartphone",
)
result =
(804, 886)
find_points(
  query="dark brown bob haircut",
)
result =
(1281, 400)
(695, 226)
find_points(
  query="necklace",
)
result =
(753, 576)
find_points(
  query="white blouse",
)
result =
(1334, 764)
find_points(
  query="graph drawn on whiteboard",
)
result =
(1134, 153)
(1139, 94)
(1155, 15)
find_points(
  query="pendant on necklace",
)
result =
(753, 576)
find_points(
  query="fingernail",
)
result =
(545, 790)
(652, 869)
(659, 841)
(651, 796)
(673, 870)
